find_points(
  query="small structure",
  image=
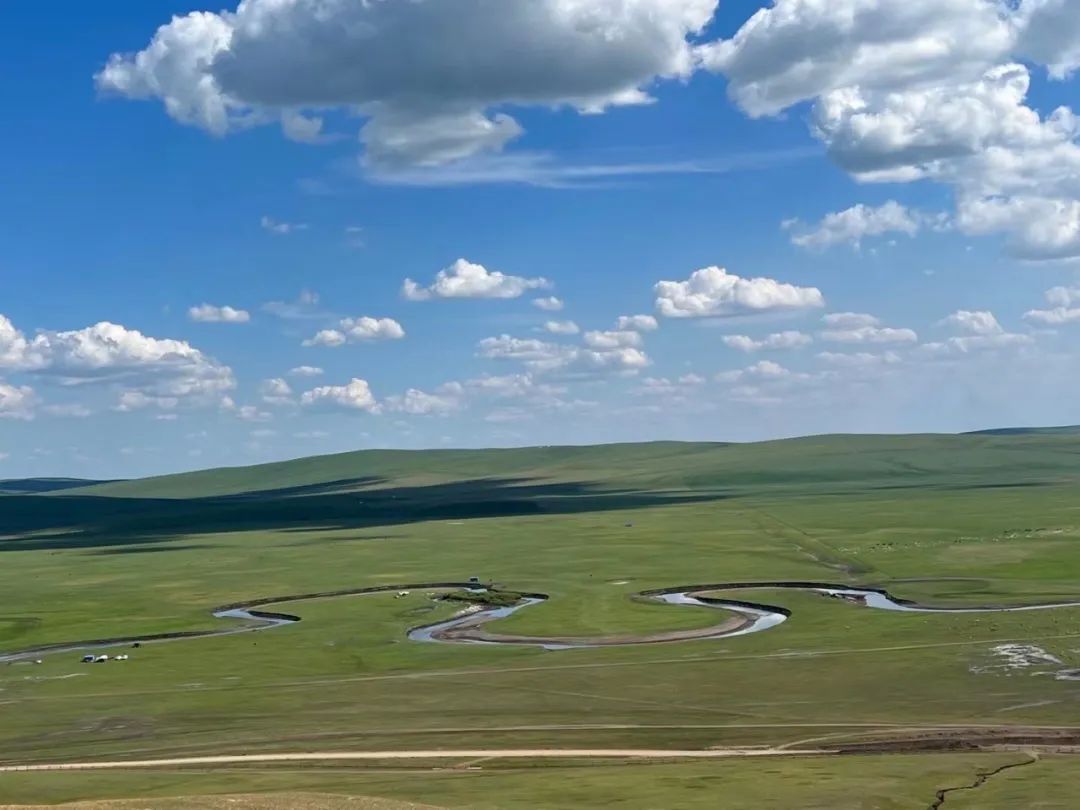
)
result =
(88, 659)
(101, 659)
(474, 580)
(401, 594)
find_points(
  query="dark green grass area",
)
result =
(944, 520)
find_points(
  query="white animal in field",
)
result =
(401, 594)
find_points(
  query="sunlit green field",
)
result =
(952, 521)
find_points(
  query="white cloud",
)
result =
(512, 386)
(859, 360)
(16, 402)
(1050, 34)
(356, 396)
(797, 50)
(789, 339)
(605, 357)
(953, 131)
(548, 170)
(1063, 307)
(463, 279)
(871, 334)
(1063, 296)
(133, 400)
(973, 323)
(1037, 228)
(849, 320)
(421, 403)
(972, 343)
(549, 304)
(250, 413)
(588, 362)
(110, 353)
(306, 371)
(535, 396)
(675, 390)
(281, 228)
(714, 292)
(326, 337)
(767, 383)
(305, 307)
(271, 61)
(14, 347)
(561, 327)
(613, 340)
(856, 327)
(276, 391)
(979, 330)
(910, 89)
(365, 329)
(854, 224)
(302, 128)
(353, 330)
(506, 347)
(637, 323)
(763, 370)
(427, 139)
(208, 313)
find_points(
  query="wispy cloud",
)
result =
(548, 171)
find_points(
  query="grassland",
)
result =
(954, 520)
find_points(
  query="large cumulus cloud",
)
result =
(425, 73)
(903, 90)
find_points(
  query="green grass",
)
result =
(942, 519)
(856, 783)
(485, 598)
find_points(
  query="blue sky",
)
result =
(857, 217)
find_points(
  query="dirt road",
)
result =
(342, 756)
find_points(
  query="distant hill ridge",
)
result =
(854, 462)
(1062, 430)
(37, 485)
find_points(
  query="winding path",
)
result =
(467, 627)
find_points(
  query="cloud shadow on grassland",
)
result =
(80, 522)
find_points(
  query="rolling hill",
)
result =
(861, 461)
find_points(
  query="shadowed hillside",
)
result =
(382, 488)
(25, 486)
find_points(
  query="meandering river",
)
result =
(468, 626)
